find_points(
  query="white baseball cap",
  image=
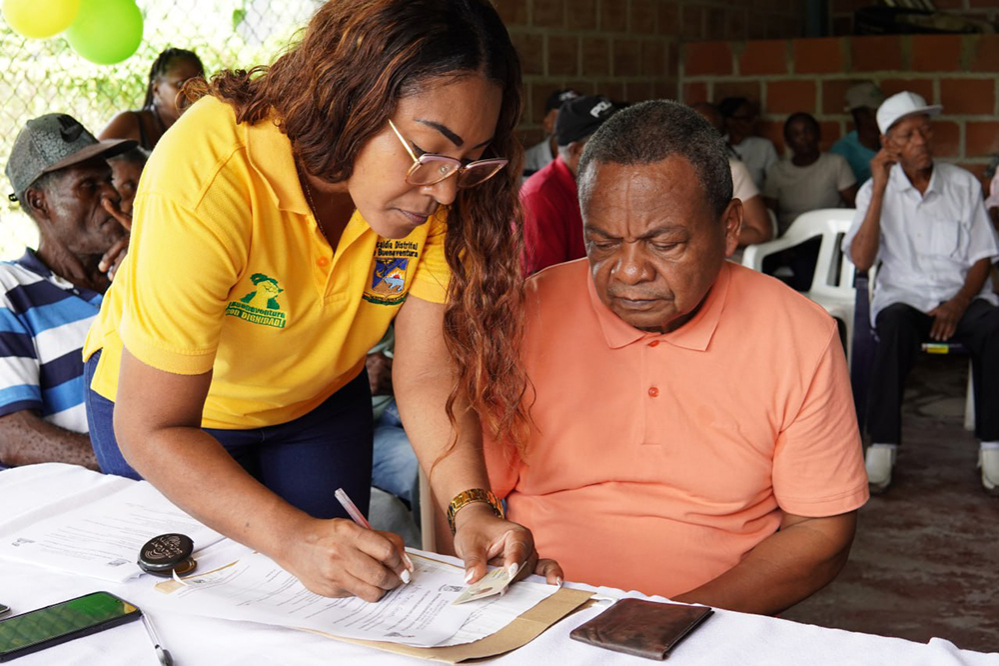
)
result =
(903, 104)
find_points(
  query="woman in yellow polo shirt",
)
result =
(285, 220)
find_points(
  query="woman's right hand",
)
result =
(337, 558)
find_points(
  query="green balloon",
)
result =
(106, 31)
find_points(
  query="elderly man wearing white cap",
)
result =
(925, 223)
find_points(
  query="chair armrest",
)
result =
(753, 255)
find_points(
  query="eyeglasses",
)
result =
(430, 169)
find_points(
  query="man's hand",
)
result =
(379, 373)
(484, 538)
(946, 317)
(881, 165)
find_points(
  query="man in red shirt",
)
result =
(553, 226)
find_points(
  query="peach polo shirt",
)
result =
(656, 462)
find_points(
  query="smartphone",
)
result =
(4, 609)
(61, 622)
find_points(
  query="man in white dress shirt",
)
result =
(925, 223)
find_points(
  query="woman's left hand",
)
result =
(484, 538)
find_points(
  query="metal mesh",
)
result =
(45, 76)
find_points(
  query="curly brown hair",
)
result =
(336, 89)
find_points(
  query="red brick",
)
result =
(773, 130)
(716, 23)
(707, 58)
(946, 139)
(612, 89)
(922, 87)
(736, 88)
(614, 16)
(531, 50)
(692, 22)
(986, 54)
(879, 53)
(790, 96)
(639, 91)
(653, 58)
(643, 16)
(936, 53)
(736, 27)
(834, 95)
(980, 138)
(968, 96)
(764, 57)
(757, 29)
(830, 130)
(596, 56)
(539, 95)
(842, 26)
(513, 12)
(549, 13)
(563, 55)
(669, 18)
(673, 59)
(581, 15)
(695, 92)
(979, 172)
(627, 57)
(666, 89)
(818, 56)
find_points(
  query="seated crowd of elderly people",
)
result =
(748, 489)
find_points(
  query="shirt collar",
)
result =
(30, 261)
(269, 151)
(695, 335)
(901, 183)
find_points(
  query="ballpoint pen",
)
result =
(161, 652)
(358, 517)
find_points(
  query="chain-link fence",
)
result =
(44, 76)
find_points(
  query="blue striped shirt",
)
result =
(44, 321)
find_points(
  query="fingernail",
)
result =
(406, 577)
(558, 581)
(408, 562)
(468, 576)
(514, 568)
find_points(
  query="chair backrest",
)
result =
(834, 271)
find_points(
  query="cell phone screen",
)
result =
(60, 622)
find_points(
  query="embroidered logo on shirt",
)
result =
(388, 278)
(260, 306)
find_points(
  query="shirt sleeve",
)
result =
(818, 467)
(178, 276)
(743, 187)
(771, 186)
(20, 375)
(982, 243)
(844, 174)
(430, 282)
(545, 242)
(770, 155)
(863, 202)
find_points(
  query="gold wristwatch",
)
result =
(470, 496)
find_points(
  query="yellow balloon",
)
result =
(40, 18)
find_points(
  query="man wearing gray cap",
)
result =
(925, 223)
(861, 145)
(61, 179)
(553, 225)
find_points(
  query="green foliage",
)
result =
(46, 75)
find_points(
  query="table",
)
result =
(726, 638)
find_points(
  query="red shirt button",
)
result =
(654, 343)
(653, 392)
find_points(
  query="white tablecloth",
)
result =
(726, 638)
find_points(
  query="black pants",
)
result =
(901, 331)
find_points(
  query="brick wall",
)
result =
(626, 49)
(812, 75)
(841, 11)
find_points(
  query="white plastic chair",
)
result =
(832, 283)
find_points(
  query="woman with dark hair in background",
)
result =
(161, 108)
(368, 175)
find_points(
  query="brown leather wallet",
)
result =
(641, 628)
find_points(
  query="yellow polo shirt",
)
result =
(228, 271)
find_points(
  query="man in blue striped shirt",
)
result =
(61, 179)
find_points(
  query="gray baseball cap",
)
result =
(52, 142)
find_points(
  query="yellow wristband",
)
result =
(471, 496)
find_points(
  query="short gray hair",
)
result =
(650, 132)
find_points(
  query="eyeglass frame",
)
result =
(500, 162)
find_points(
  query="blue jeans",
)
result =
(303, 461)
(395, 469)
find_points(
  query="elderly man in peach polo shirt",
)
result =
(693, 432)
